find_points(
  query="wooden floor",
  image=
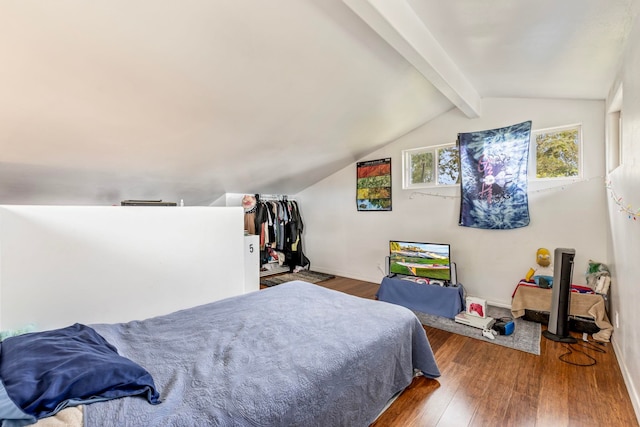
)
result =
(483, 384)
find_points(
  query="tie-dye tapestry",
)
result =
(493, 165)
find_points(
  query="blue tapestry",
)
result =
(493, 178)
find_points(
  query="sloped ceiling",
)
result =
(109, 100)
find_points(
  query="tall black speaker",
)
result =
(558, 328)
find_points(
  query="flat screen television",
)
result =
(427, 260)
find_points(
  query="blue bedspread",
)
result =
(295, 354)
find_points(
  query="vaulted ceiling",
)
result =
(108, 100)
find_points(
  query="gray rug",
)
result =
(526, 335)
(305, 275)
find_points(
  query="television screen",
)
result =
(428, 260)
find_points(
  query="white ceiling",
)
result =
(108, 100)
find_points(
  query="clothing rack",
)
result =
(277, 197)
(276, 219)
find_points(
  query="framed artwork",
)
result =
(374, 185)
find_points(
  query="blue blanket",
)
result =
(44, 372)
(294, 354)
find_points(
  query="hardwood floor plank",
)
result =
(460, 411)
(483, 384)
(410, 409)
(530, 371)
(521, 410)
(492, 406)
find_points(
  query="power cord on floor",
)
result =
(586, 344)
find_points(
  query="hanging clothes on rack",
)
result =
(279, 224)
(296, 227)
(249, 204)
(260, 220)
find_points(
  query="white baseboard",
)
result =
(628, 380)
(499, 304)
(348, 274)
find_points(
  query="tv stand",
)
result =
(445, 301)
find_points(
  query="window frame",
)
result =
(613, 128)
(532, 166)
(406, 166)
(533, 158)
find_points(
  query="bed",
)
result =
(293, 354)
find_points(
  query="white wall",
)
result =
(625, 232)
(343, 241)
(228, 199)
(66, 264)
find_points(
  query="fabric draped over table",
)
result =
(585, 305)
(431, 299)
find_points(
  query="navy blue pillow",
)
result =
(44, 372)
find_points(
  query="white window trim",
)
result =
(613, 127)
(533, 171)
(532, 167)
(406, 167)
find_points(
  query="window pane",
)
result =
(557, 153)
(448, 166)
(422, 168)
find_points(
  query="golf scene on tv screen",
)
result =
(428, 260)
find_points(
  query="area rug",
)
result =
(305, 275)
(526, 336)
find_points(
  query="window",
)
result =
(556, 152)
(448, 165)
(431, 166)
(418, 168)
(614, 131)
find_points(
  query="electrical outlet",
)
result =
(617, 320)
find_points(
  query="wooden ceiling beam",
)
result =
(398, 24)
